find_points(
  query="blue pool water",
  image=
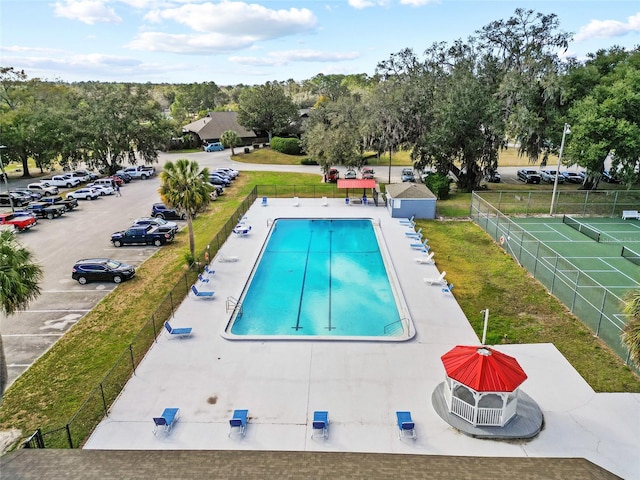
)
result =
(321, 278)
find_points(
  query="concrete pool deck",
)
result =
(361, 384)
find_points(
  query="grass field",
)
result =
(48, 393)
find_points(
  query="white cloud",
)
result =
(286, 57)
(89, 11)
(417, 3)
(608, 28)
(238, 18)
(207, 44)
(222, 27)
(361, 4)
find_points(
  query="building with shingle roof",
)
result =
(210, 128)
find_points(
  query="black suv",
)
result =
(101, 270)
(160, 210)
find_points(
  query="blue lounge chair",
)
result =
(447, 289)
(202, 279)
(406, 427)
(202, 293)
(417, 233)
(320, 424)
(208, 271)
(421, 246)
(166, 420)
(264, 201)
(238, 422)
(178, 332)
(408, 221)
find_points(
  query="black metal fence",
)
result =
(75, 432)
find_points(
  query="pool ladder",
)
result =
(232, 305)
(390, 328)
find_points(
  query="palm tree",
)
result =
(185, 187)
(631, 332)
(230, 139)
(19, 277)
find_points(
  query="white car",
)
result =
(43, 189)
(102, 189)
(61, 181)
(84, 194)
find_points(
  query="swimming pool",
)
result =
(322, 279)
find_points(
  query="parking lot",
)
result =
(82, 233)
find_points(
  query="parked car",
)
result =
(116, 180)
(333, 175)
(214, 147)
(44, 190)
(14, 199)
(107, 181)
(62, 181)
(126, 178)
(223, 174)
(573, 177)
(367, 172)
(86, 193)
(218, 189)
(20, 222)
(407, 175)
(161, 223)
(141, 235)
(89, 174)
(609, 177)
(492, 176)
(218, 180)
(82, 178)
(528, 175)
(160, 210)
(350, 174)
(101, 270)
(232, 173)
(102, 189)
(549, 175)
(35, 196)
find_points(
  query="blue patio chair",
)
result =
(178, 332)
(202, 293)
(208, 271)
(264, 201)
(447, 289)
(421, 246)
(417, 235)
(408, 221)
(241, 230)
(320, 424)
(166, 420)
(238, 422)
(202, 279)
(406, 426)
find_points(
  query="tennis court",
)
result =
(588, 263)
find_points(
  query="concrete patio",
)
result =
(361, 384)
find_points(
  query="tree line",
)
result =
(454, 107)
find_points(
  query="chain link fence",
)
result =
(595, 305)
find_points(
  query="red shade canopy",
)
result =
(483, 369)
(356, 183)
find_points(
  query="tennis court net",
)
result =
(582, 228)
(630, 255)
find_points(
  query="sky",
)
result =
(231, 42)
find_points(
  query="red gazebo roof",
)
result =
(483, 369)
(356, 183)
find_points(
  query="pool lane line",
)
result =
(304, 280)
(330, 276)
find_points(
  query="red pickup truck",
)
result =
(19, 223)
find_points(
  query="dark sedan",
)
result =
(101, 270)
(528, 175)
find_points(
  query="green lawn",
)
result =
(51, 391)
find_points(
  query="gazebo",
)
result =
(357, 183)
(481, 386)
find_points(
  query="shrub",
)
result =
(308, 161)
(438, 183)
(290, 146)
